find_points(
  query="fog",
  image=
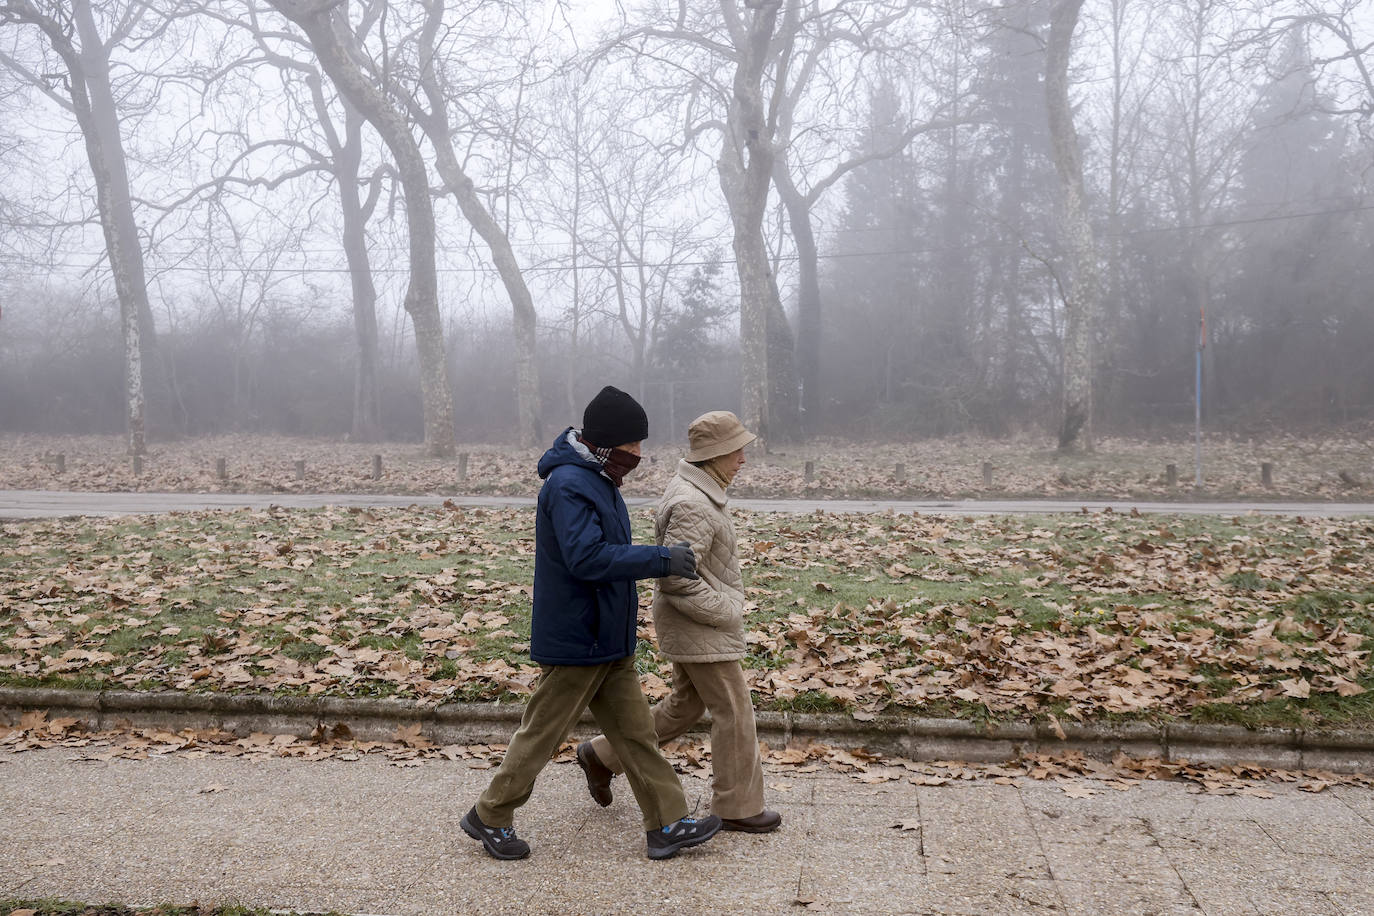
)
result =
(455, 222)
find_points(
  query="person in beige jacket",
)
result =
(700, 625)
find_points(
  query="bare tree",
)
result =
(325, 24)
(435, 122)
(83, 88)
(1343, 26)
(1081, 291)
(337, 152)
(1207, 113)
(746, 38)
(827, 57)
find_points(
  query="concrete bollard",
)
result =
(221, 469)
(1267, 473)
(60, 463)
(899, 472)
(1171, 474)
(462, 466)
(987, 473)
(809, 472)
(376, 467)
(300, 468)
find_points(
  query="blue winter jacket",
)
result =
(585, 604)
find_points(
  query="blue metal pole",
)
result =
(1197, 421)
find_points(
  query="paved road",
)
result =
(370, 837)
(16, 504)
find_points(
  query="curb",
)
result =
(1339, 750)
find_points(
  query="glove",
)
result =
(681, 561)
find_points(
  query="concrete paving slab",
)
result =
(1352, 904)
(1111, 860)
(962, 895)
(1221, 897)
(981, 830)
(1226, 843)
(1306, 838)
(1357, 800)
(1103, 898)
(892, 861)
(1049, 798)
(830, 788)
(1290, 902)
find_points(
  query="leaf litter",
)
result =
(691, 757)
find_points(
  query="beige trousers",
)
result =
(736, 770)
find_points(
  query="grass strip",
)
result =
(1102, 617)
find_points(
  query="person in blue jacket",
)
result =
(582, 634)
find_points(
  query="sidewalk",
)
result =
(369, 836)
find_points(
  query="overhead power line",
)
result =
(832, 256)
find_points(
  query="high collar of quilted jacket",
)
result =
(703, 481)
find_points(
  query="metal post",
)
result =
(1197, 422)
(672, 410)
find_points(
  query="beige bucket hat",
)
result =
(716, 433)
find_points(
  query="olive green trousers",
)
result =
(612, 692)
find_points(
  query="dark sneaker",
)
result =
(500, 842)
(666, 842)
(598, 774)
(763, 822)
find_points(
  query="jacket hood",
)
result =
(703, 481)
(567, 450)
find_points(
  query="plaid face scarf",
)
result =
(615, 462)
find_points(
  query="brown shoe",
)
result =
(763, 822)
(598, 775)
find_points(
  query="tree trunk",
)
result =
(333, 43)
(436, 126)
(460, 185)
(806, 364)
(94, 104)
(784, 407)
(745, 168)
(367, 417)
(1081, 289)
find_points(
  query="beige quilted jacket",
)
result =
(699, 620)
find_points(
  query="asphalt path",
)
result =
(22, 504)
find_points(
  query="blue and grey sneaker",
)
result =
(500, 842)
(665, 842)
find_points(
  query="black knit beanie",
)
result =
(614, 418)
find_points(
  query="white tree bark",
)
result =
(1081, 292)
